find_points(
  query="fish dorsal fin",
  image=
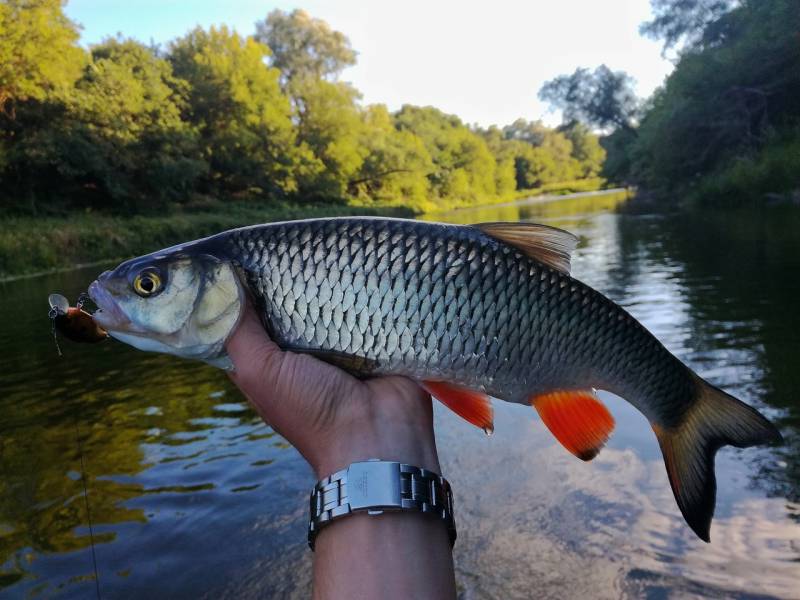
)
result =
(546, 244)
(471, 405)
(577, 419)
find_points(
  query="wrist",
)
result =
(409, 443)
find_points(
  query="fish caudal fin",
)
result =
(577, 419)
(717, 419)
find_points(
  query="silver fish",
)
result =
(468, 311)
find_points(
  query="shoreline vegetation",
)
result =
(31, 246)
(724, 127)
(123, 147)
(127, 128)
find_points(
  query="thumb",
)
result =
(255, 356)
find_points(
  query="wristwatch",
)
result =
(376, 486)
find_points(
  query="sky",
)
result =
(483, 61)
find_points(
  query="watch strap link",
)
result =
(376, 486)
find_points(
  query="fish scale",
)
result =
(449, 302)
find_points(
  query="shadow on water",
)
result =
(191, 496)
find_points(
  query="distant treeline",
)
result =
(124, 127)
(725, 126)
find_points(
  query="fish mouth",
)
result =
(108, 315)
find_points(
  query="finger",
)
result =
(256, 357)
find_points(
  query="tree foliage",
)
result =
(602, 98)
(396, 162)
(727, 99)
(38, 55)
(236, 104)
(586, 148)
(304, 47)
(124, 137)
(677, 21)
(463, 167)
(130, 128)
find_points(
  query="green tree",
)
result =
(586, 148)
(619, 147)
(727, 100)
(127, 135)
(505, 174)
(464, 169)
(304, 47)
(530, 132)
(396, 164)
(541, 155)
(116, 140)
(242, 116)
(683, 20)
(329, 128)
(602, 98)
(38, 51)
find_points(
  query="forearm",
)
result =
(393, 555)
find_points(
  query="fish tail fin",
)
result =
(716, 419)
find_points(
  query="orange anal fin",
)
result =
(577, 419)
(471, 405)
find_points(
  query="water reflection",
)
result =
(169, 446)
(192, 496)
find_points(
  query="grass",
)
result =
(439, 205)
(31, 245)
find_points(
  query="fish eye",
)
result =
(147, 283)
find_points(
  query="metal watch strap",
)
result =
(376, 486)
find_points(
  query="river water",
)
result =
(191, 496)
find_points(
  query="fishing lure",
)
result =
(73, 322)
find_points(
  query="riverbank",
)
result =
(32, 246)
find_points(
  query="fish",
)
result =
(468, 311)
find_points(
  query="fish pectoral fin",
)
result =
(359, 366)
(221, 362)
(577, 419)
(546, 244)
(471, 405)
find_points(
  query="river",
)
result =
(191, 496)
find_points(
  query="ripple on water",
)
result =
(192, 496)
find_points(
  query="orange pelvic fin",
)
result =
(577, 419)
(471, 405)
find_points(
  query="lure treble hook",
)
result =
(73, 322)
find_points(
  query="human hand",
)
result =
(332, 418)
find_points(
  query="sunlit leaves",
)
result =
(38, 51)
(243, 117)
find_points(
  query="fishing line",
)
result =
(88, 510)
(53, 314)
(59, 306)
